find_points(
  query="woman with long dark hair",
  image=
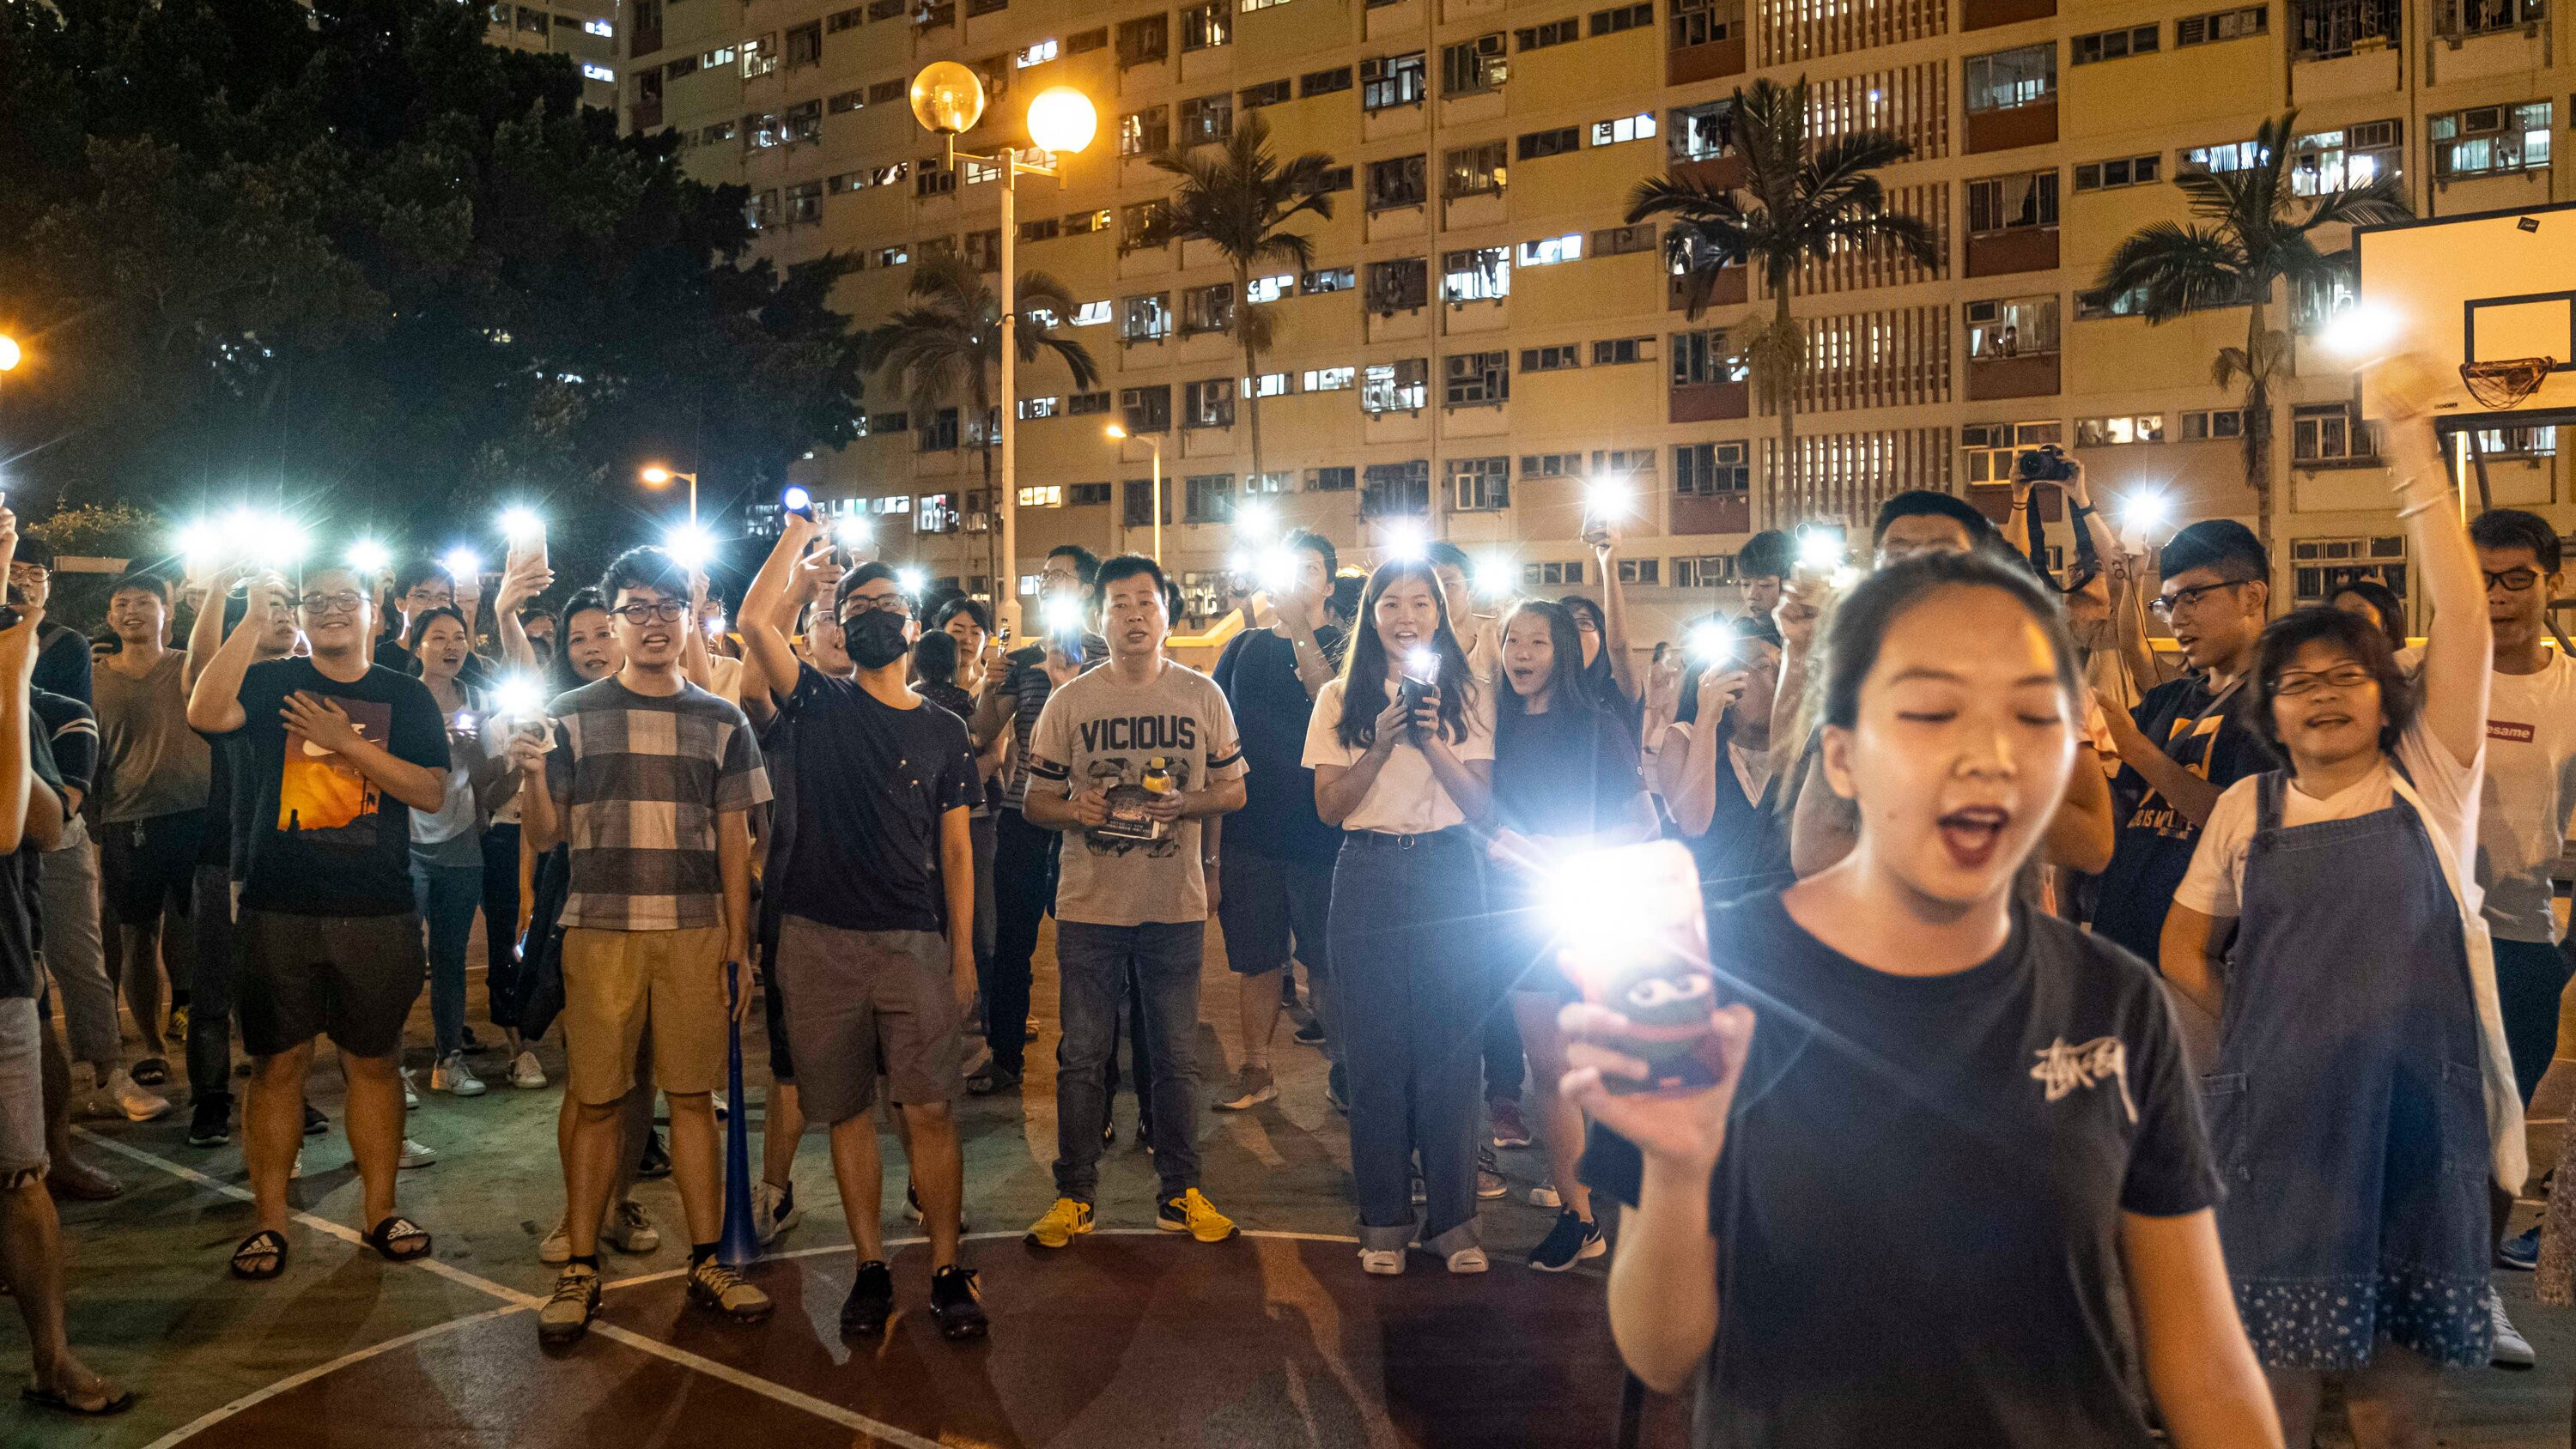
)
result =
(1566, 779)
(447, 845)
(1402, 746)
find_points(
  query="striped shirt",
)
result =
(1027, 684)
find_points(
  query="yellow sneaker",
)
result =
(1193, 1214)
(1063, 1222)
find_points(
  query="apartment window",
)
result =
(1473, 67)
(721, 55)
(1620, 240)
(1146, 409)
(1550, 143)
(1616, 351)
(2357, 155)
(1392, 80)
(1038, 231)
(1704, 571)
(761, 211)
(1083, 42)
(1633, 462)
(1551, 465)
(846, 101)
(1401, 285)
(2114, 432)
(1551, 359)
(1624, 17)
(2221, 25)
(2012, 203)
(1992, 447)
(1048, 495)
(1268, 384)
(1144, 132)
(2485, 17)
(2093, 306)
(1547, 251)
(1638, 127)
(2126, 171)
(880, 425)
(1268, 93)
(2208, 425)
(1270, 289)
(1328, 279)
(1474, 170)
(1248, 6)
(1207, 119)
(685, 65)
(1330, 379)
(1040, 407)
(1083, 495)
(2012, 327)
(2332, 28)
(1700, 22)
(1204, 27)
(1335, 179)
(1085, 404)
(1704, 470)
(1091, 314)
(1038, 54)
(1640, 570)
(1395, 489)
(1554, 32)
(759, 57)
(2320, 567)
(1704, 357)
(1208, 498)
(1701, 132)
(1139, 512)
(2512, 443)
(2327, 433)
(1138, 223)
(592, 70)
(1481, 275)
(1324, 82)
(1144, 319)
(884, 9)
(885, 91)
(1552, 574)
(1394, 387)
(2227, 156)
(1144, 41)
(893, 256)
(2006, 79)
(805, 45)
(2104, 45)
(2490, 140)
(1207, 309)
(1331, 480)
(1079, 222)
(804, 203)
(1480, 484)
(1397, 182)
(1476, 379)
(937, 433)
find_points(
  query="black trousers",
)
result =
(1023, 891)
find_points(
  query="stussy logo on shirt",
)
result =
(2064, 1068)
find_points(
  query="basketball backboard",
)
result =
(2490, 288)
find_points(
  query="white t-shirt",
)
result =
(2215, 884)
(2530, 787)
(1405, 798)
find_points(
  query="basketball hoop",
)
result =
(2506, 383)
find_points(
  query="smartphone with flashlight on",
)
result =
(1635, 939)
(1421, 674)
(1064, 629)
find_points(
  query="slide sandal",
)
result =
(266, 1243)
(62, 1403)
(383, 1236)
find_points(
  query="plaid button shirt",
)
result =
(642, 780)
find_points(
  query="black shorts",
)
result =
(148, 866)
(773, 1015)
(353, 978)
(1271, 909)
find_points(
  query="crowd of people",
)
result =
(2107, 1038)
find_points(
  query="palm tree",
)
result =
(1799, 201)
(1240, 200)
(947, 349)
(2253, 234)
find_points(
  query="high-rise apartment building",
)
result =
(583, 30)
(1482, 333)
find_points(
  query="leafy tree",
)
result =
(1240, 199)
(946, 350)
(113, 530)
(1800, 201)
(2253, 234)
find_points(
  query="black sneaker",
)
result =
(956, 1304)
(871, 1301)
(1311, 1034)
(1570, 1242)
(210, 1122)
(315, 1124)
(992, 1081)
(656, 1159)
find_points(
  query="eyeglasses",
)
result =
(665, 611)
(344, 602)
(2183, 600)
(882, 603)
(32, 573)
(2512, 580)
(2342, 676)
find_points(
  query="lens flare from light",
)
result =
(911, 580)
(854, 532)
(284, 543)
(1423, 663)
(201, 544)
(519, 697)
(1609, 498)
(2145, 510)
(1713, 642)
(1497, 576)
(1407, 542)
(795, 499)
(1278, 569)
(1821, 548)
(2363, 332)
(370, 557)
(463, 565)
(522, 524)
(1255, 520)
(690, 546)
(1063, 617)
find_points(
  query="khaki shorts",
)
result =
(620, 984)
(861, 1004)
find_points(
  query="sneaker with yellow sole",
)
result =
(1067, 1220)
(1190, 1212)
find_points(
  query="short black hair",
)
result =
(643, 567)
(582, 602)
(1086, 564)
(1862, 618)
(2383, 601)
(1127, 566)
(1446, 555)
(2222, 544)
(35, 552)
(1316, 544)
(1769, 554)
(2284, 637)
(420, 626)
(934, 657)
(157, 585)
(1924, 503)
(866, 573)
(2513, 528)
(972, 609)
(410, 575)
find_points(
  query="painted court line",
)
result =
(515, 1302)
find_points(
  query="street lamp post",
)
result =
(657, 476)
(1117, 434)
(948, 99)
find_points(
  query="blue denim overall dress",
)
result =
(2347, 1112)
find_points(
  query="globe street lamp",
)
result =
(657, 476)
(948, 99)
(1117, 434)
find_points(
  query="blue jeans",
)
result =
(2529, 976)
(448, 896)
(1092, 963)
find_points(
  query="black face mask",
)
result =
(874, 639)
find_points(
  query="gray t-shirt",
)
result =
(150, 762)
(1099, 732)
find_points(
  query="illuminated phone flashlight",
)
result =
(1497, 576)
(1423, 663)
(1256, 520)
(716, 625)
(1821, 548)
(1239, 564)
(796, 500)
(1713, 642)
(1631, 930)
(911, 580)
(1279, 569)
(2145, 511)
(463, 565)
(519, 699)
(370, 558)
(284, 544)
(1063, 617)
(1407, 542)
(243, 528)
(1608, 498)
(690, 546)
(201, 544)
(854, 532)
(522, 525)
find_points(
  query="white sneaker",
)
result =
(416, 1154)
(1468, 1260)
(1384, 1262)
(137, 1102)
(1544, 1195)
(628, 1230)
(2511, 1350)
(766, 1221)
(557, 1248)
(526, 1073)
(452, 1075)
(411, 1091)
(297, 1170)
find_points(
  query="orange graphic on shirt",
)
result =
(320, 790)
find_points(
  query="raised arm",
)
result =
(206, 630)
(1614, 612)
(2459, 643)
(526, 580)
(2171, 778)
(769, 603)
(1694, 800)
(2083, 832)
(214, 702)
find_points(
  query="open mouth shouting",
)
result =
(1973, 833)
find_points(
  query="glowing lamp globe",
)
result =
(947, 98)
(1062, 120)
(10, 354)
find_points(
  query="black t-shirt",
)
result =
(62, 661)
(1570, 771)
(871, 784)
(22, 911)
(1258, 672)
(2214, 740)
(313, 836)
(72, 733)
(958, 702)
(1918, 1209)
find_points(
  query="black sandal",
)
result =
(151, 1072)
(63, 1403)
(266, 1243)
(381, 1238)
